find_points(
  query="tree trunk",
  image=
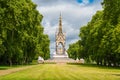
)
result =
(10, 62)
(97, 62)
(115, 64)
(104, 63)
(101, 63)
(109, 63)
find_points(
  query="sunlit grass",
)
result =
(64, 72)
(13, 66)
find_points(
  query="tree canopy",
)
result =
(21, 34)
(100, 38)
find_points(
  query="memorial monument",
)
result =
(60, 38)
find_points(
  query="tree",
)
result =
(100, 37)
(20, 32)
(74, 50)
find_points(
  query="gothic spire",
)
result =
(60, 24)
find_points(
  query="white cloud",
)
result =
(85, 1)
(74, 16)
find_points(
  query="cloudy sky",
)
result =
(75, 14)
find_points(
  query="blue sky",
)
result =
(81, 1)
(75, 14)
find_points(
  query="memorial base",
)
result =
(60, 58)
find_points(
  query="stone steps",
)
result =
(61, 60)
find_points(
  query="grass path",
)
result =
(64, 72)
(12, 70)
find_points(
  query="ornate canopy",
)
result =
(60, 39)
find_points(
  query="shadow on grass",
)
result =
(94, 65)
(116, 74)
(4, 67)
(49, 63)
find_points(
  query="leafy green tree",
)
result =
(90, 36)
(75, 50)
(100, 37)
(20, 32)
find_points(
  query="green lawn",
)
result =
(64, 72)
(4, 67)
(14, 66)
